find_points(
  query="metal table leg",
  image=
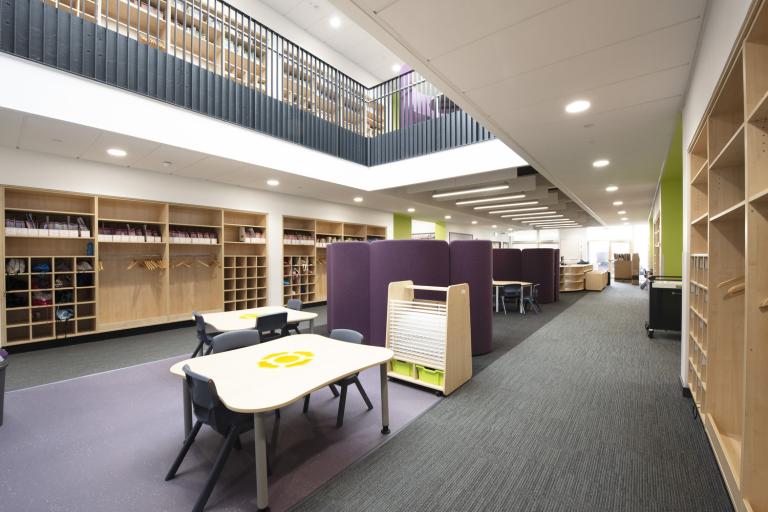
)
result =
(497, 298)
(260, 451)
(312, 326)
(187, 408)
(384, 399)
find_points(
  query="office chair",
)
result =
(210, 411)
(349, 336)
(296, 305)
(233, 340)
(203, 337)
(272, 327)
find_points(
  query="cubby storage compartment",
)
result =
(195, 216)
(195, 279)
(727, 115)
(131, 210)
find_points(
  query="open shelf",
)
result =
(734, 212)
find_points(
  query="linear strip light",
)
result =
(490, 199)
(556, 226)
(534, 220)
(470, 191)
(529, 209)
(489, 206)
(553, 221)
(531, 215)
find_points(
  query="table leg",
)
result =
(384, 399)
(312, 326)
(187, 408)
(522, 299)
(260, 451)
(497, 298)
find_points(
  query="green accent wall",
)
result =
(440, 231)
(671, 196)
(401, 226)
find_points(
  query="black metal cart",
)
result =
(665, 304)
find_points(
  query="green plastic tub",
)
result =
(430, 376)
(402, 367)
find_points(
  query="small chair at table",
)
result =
(349, 336)
(272, 327)
(511, 292)
(204, 338)
(296, 305)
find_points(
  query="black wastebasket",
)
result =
(3, 366)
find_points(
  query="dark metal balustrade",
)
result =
(209, 57)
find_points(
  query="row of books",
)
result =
(298, 239)
(129, 233)
(44, 226)
(193, 236)
(251, 236)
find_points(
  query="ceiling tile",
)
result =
(136, 149)
(56, 137)
(10, 128)
(177, 157)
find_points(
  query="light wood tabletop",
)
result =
(246, 318)
(264, 377)
(522, 284)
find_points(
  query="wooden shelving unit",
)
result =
(304, 253)
(133, 263)
(657, 244)
(728, 276)
(573, 277)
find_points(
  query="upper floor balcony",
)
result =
(208, 57)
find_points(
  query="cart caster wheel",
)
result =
(439, 393)
(650, 333)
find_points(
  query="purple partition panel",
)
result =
(507, 265)
(349, 287)
(557, 275)
(538, 268)
(424, 262)
(472, 263)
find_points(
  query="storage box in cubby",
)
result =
(430, 376)
(402, 367)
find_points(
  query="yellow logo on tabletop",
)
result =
(286, 359)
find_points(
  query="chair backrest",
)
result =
(295, 304)
(274, 322)
(233, 340)
(347, 335)
(202, 335)
(511, 290)
(208, 407)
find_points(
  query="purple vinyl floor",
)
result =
(104, 443)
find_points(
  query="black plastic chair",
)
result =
(349, 336)
(210, 411)
(204, 338)
(533, 300)
(509, 292)
(233, 340)
(272, 327)
(296, 305)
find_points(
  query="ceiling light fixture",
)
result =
(507, 205)
(116, 152)
(556, 218)
(624, 218)
(514, 210)
(554, 221)
(411, 210)
(166, 164)
(273, 183)
(618, 203)
(577, 106)
(474, 222)
(470, 191)
(611, 188)
(447, 217)
(532, 214)
(601, 163)
(334, 21)
(622, 212)
(358, 199)
(493, 226)
(490, 199)
(396, 68)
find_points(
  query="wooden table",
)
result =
(259, 379)
(522, 284)
(246, 318)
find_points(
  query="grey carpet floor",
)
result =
(586, 414)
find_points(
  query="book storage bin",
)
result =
(432, 336)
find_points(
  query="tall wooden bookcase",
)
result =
(117, 263)
(728, 270)
(304, 253)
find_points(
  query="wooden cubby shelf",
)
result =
(727, 317)
(305, 242)
(132, 272)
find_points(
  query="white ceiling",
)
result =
(515, 64)
(350, 40)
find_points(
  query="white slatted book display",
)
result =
(431, 339)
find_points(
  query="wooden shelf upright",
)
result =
(728, 276)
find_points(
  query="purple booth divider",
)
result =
(507, 265)
(557, 274)
(538, 266)
(472, 263)
(424, 262)
(349, 287)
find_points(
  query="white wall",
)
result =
(721, 27)
(29, 169)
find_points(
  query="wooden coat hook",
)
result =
(730, 281)
(764, 304)
(733, 290)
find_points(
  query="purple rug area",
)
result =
(104, 443)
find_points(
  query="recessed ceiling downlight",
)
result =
(358, 199)
(474, 222)
(618, 203)
(334, 21)
(577, 106)
(411, 210)
(447, 217)
(116, 152)
(611, 188)
(396, 68)
(601, 163)
(622, 212)
(273, 183)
